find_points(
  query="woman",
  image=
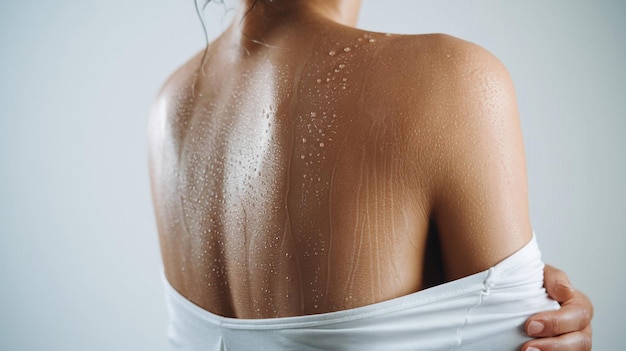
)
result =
(311, 180)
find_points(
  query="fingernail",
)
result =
(534, 328)
(532, 349)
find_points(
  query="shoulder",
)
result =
(467, 139)
(181, 78)
(450, 90)
(442, 50)
(437, 79)
(440, 61)
(172, 100)
(177, 88)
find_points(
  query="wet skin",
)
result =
(304, 166)
(301, 176)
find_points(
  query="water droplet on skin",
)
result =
(321, 144)
(345, 79)
(342, 66)
(346, 49)
(303, 140)
(319, 80)
(332, 53)
(302, 157)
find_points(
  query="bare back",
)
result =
(300, 176)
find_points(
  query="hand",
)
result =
(568, 329)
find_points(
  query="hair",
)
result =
(200, 13)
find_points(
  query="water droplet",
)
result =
(302, 157)
(321, 144)
(303, 140)
(346, 49)
(332, 53)
(342, 66)
(345, 79)
(319, 80)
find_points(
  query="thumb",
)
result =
(557, 284)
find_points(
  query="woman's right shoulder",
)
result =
(438, 56)
(458, 104)
(433, 77)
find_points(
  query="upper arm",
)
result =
(480, 201)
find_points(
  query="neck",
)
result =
(345, 12)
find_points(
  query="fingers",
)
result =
(557, 284)
(567, 329)
(578, 341)
(575, 315)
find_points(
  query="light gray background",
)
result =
(79, 259)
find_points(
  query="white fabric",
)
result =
(484, 311)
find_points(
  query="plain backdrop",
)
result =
(79, 257)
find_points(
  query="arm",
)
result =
(480, 202)
(566, 329)
(481, 207)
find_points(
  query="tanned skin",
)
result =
(300, 165)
